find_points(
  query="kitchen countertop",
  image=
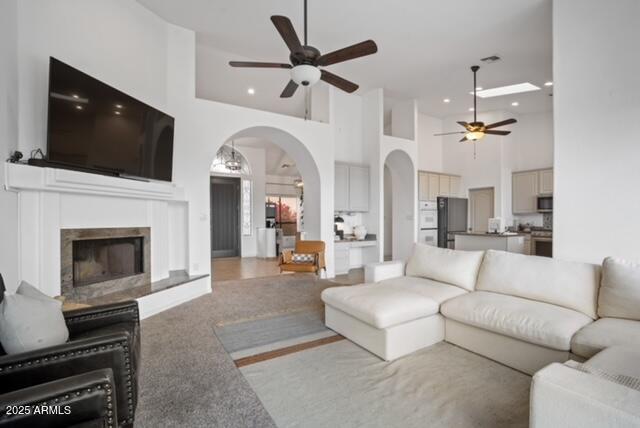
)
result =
(492, 235)
(369, 238)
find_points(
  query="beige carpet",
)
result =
(342, 385)
(245, 300)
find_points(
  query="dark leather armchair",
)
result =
(100, 337)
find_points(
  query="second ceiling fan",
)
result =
(306, 60)
(476, 130)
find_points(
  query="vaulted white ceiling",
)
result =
(277, 161)
(425, 48)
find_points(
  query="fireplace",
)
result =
(95, 262)
(99, 260)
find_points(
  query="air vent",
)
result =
(490, 59)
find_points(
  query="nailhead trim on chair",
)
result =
(62, 398)
(94, 349)
(73, 319)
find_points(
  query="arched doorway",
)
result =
(399, 205)
(303, 194)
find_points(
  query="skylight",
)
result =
(507, 90)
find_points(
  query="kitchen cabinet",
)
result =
(545, 182)
(423, 186)
(444, 185)
(351, 188)
(341, 257)
(454, 186)
(525, 192)
(341, 194)
(527, 245)
(431, 185)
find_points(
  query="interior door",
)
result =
(225, 216)
(481, 209)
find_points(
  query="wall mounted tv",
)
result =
(96, 128)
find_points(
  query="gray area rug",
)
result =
(343, 385)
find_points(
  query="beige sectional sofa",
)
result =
(526, 312)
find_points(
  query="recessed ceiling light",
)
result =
(515, 104)
(471, 109)
(549, 83)
(117, 112)
(78, 107)
(251, 91)
(507, 90)
(446, 100)
(118, 105)
(76, 96)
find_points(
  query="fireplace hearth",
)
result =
(95, 262)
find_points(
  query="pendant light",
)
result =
(232, 163)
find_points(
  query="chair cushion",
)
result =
(378, 305)
(620, 289)
(459, 268)
(530, 321)
(303, 258)
(573, 285)
(436, 291)
(604, 333)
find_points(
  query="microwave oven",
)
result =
(545, 204)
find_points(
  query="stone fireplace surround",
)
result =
(83, 292)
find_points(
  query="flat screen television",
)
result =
(94, 127)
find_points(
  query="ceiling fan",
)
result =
(306, 60)
(475, 130)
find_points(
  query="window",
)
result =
(286, 213)
(247, 196)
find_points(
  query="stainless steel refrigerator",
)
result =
(452, 217)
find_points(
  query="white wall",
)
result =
(596, 111)
(346, 117)
(429, 146)
(127, 46)
(8, 138)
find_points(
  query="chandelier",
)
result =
(233, 163)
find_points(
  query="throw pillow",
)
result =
(31, 320)
(303, 258)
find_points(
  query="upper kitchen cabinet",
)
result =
(525, 192)
(351, 188)
(545, 182)
(341, 194)
(431, 185)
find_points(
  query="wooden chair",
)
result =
(308, 256)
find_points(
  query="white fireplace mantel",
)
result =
(19, 177)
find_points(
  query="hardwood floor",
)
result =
(233, 268)
(227, 268)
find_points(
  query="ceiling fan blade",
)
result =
(497, 124)
(365, 48)
(258, 64)
(338, 81)
(288, 33)
(463, 139)
(497, 132)
(450, 133)
(289, 90)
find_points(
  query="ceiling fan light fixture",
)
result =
(474, 135)
(305, 74)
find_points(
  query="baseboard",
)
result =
(171, 297)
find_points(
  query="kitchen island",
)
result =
(473, 241)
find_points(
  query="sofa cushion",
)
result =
(534, 322)
(378, 305)
(437, 291)
(604, 333)
(459, 268)
(620, 289)
(570, 284)
(618, 360)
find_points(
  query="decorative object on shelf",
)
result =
(15, 156)
(360, 232)
(476, 130)
(306, 60)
